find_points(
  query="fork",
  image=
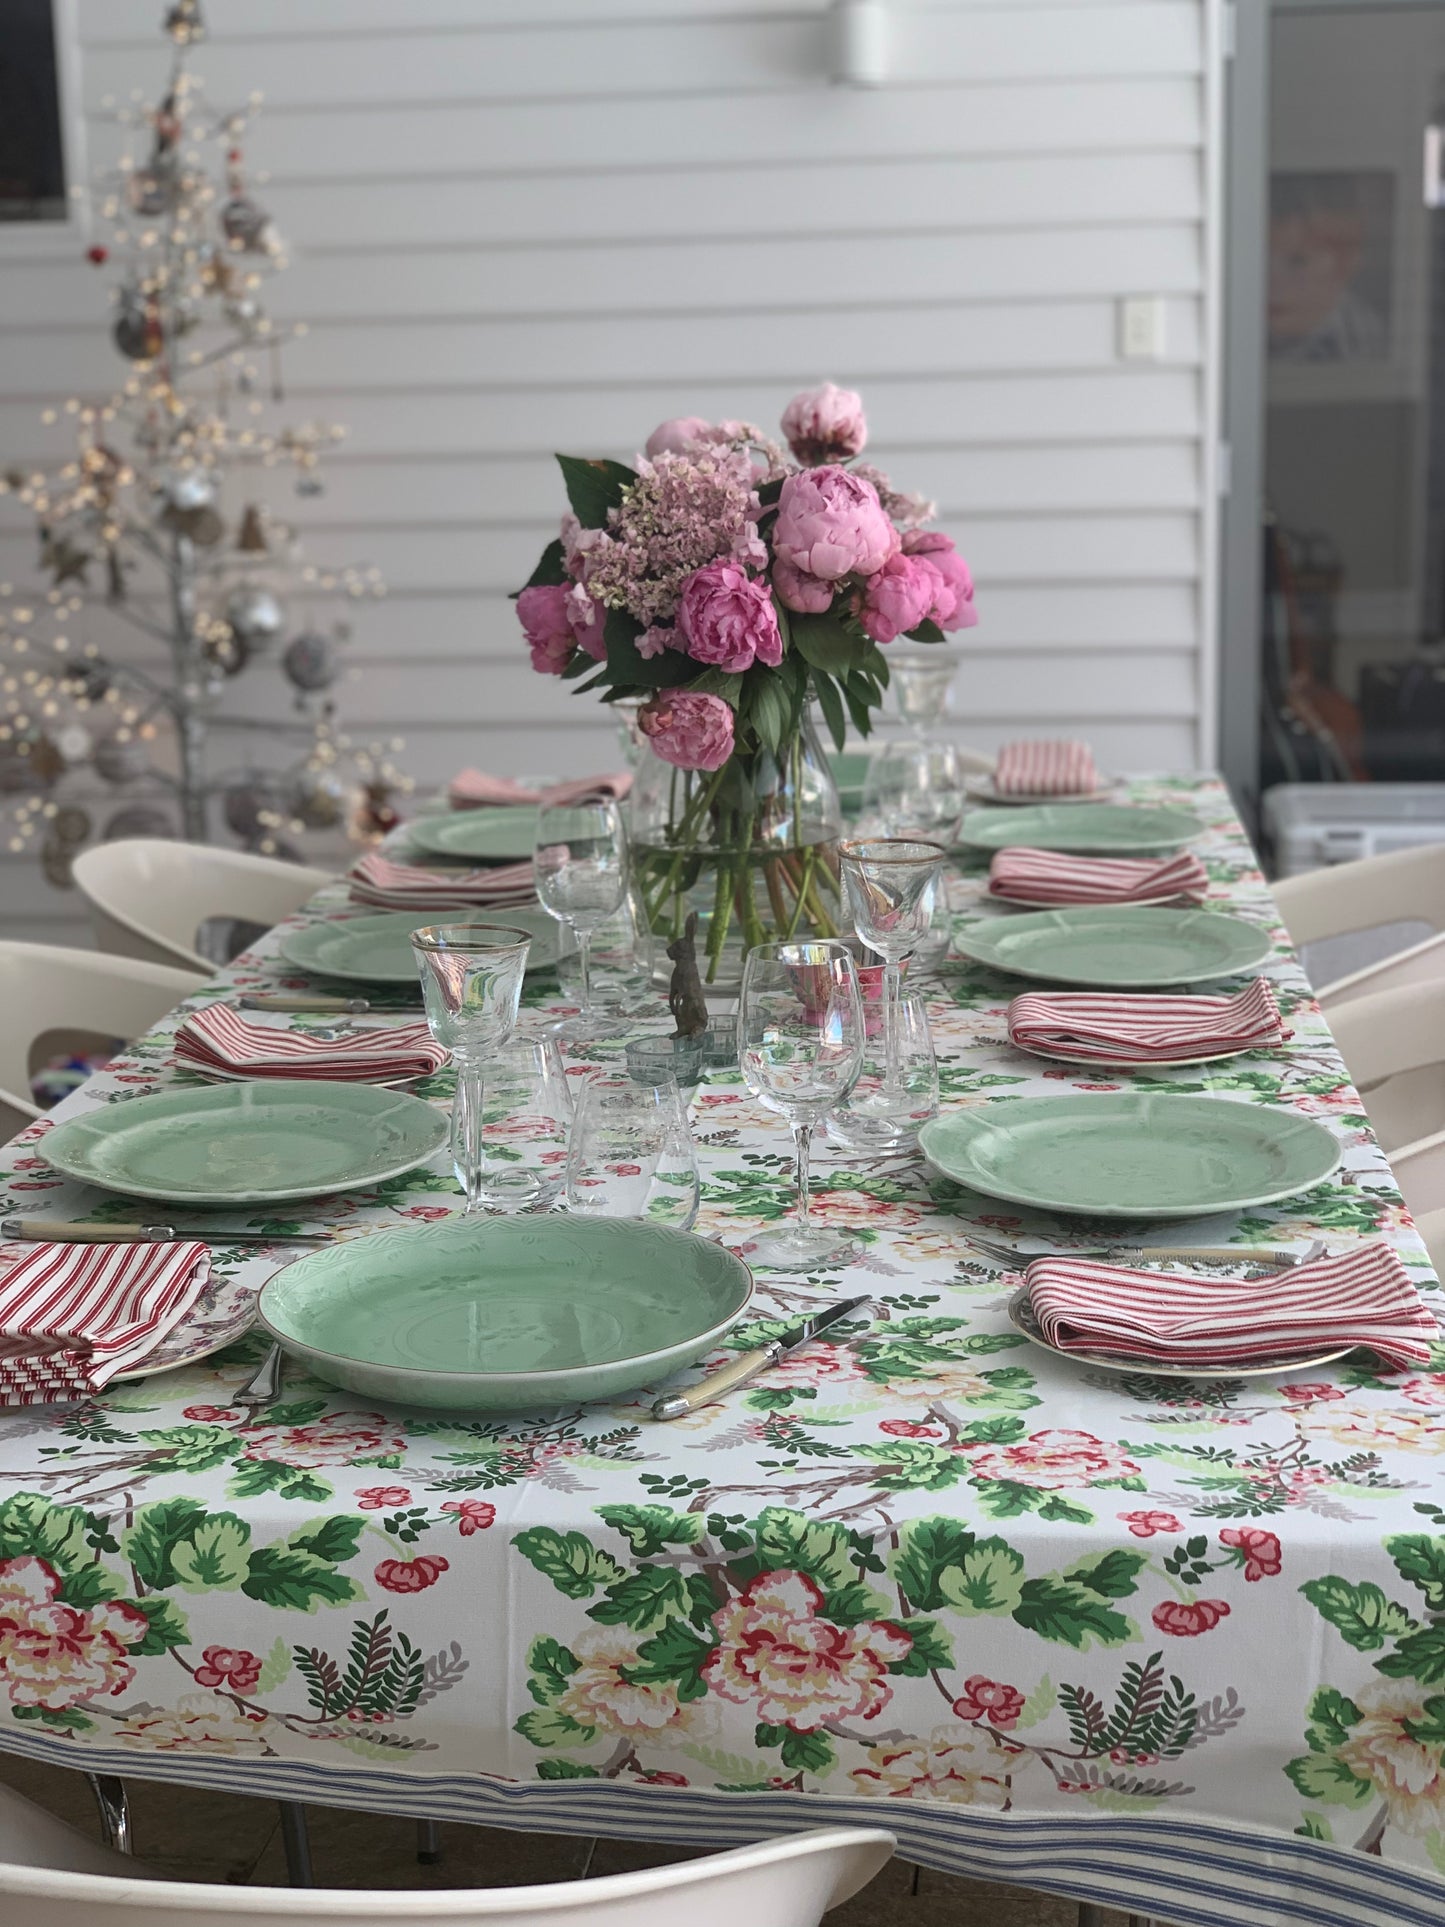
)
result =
(1274, 1259)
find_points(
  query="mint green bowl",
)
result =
(506, 1314)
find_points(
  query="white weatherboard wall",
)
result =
(524, 225)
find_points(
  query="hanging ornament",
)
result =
(317, 799)
(87, 681)
(183, 22)
(67, 831)
(155, 188)
(309, 661)
(252, 535)
(376, 814)
(74, 742)
(243, 311)
(137, 819)
(255, 614)
(246, 225)
(249, 802)
(66, 560)
(189, 488)
(120, 759)
(308, 482)
(137, 331)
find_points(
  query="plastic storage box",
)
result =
(1308, 825)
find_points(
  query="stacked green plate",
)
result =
(1081, 829)
(482, 836)
(1129, 948)
(377, 950)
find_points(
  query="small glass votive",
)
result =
(652, 1060)
(720, 1043)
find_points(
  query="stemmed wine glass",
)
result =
(890, 882)
(580, 863)
(471, 981)
(800, 1047)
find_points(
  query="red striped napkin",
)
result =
(1109, 1029)
(72, 1316)
(219, 1038)
(472, 789)
(377, 880)
(1359, 1297)
(1045, 769)
(1043, 876)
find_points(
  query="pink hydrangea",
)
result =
(652, 642)
(896, 599)
(798, 590)
(542, 612)
(831, 524)
(675, 436)
(952, 606)
(682, 512)
(728, 620)
(825, 424)
(692, 731)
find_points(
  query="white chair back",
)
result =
(1422, 963)
(148, 895)
(1393, 1044)
(778, 1883)
(1405, 887)
(1431, 1227)
(45, 989)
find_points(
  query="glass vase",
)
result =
(750, 847)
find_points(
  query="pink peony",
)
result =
(897, 598)
(728, 619)
(830, 525)
(989, 1699)
(779, 1652)
(411, 1575)
(587, 620)
(229, 1666)
(542, 612)
(825, 424)
(953, 591)
(1187, 1619)
(694, 732)
(798, 590)
(652, 642)
(673, 437)
(1258, 1551)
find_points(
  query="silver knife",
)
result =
(58, 1231)
(747, 1365)
(304, 1001)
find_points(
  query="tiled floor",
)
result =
(221, 1837)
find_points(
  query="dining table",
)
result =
(1175, 1646)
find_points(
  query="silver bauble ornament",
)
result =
(137, 819)
(256, 615)
(153, 190)
(74, 742)
(246, 800)
(189, 488)
(137, 328)
(87, 681)
(245, 225)
(317, 799)
(68, 829)
(244, 313)
(120, 759)
(309, 661)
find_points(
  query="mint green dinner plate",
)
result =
(850, 773)
(256, 1143)
(377, 950)
(1131, 1154)
(1118, 949)
(506, 1314)
(486, 836)
(1081, 829)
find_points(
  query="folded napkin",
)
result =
(1045, 769)
(1043, 876)
(1108, 1029)
(472, 789)
(72, 1316)
(377, 880)
(1360, 1297)
(220, 1039)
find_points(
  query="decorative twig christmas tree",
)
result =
(139, 518)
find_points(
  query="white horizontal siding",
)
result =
(524, 225)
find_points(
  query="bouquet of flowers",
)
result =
(725, 583)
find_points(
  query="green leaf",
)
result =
(677, 1655)
(989, 1579)
(1056, 1506)
(275, 1667)
(1429, 1730)
(296, 1411)
(791, 1542)
(931, 1650)
(335, 1539)
(824, 643)
(1055, 1608)
(68, 1719)
(1421, 1560)
(1362, 1615)
(545, 1726)
(158, 1530)
(727, 683)
(808, 1752)
(87, 1586)
(1419, 1656)
(574, 1565)
(830, 701)
(854, 1605)
(767, 708)
(167, 1626)
(216, 1556)
(927, 1549)
(1330, 1718)
(195, 1448)
(551, 569)
(30, 1524)
(566, 1770)
(914, 1466)
(645, 1599)
(1321, 1776)
(593, 487)
(295, 1581)
(648, 1528)
(550, 1665)
(1110, 1574)
(253, 1476)
(927, 631)
(860, 708)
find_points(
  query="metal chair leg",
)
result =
(110, 1797)
(428, 1843)
(297, 1843)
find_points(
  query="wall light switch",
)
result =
(1141, 327)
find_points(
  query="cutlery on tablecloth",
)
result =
(59, 1231)
(1275, 1258)
(309, 1001)
(747, 1365)
(265, 1382)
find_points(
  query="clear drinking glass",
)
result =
(630, 1153)
(800, 1046)
(919, 680)
(916, 788)
(580, 862)
(471, 981)
(525, 1111)
(891, 888)
(877, 1115)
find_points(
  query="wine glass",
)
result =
(877, 1116)
(630, 1153)
(800, 1047)
(916, 788)
(580, 864)
(919, 680)
(471, 982)
(890, 883)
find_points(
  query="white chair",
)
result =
(1431, 1227)
(1407, 886)
(149, 896)
(52, 999)
(1393, 1044)
(52, 1876)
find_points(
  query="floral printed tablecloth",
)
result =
(1178, 1646)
